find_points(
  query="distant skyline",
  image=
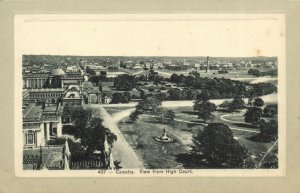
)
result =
(167, 35)
(191, 57)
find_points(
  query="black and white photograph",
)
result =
(143, 95)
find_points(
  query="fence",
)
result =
(56, 167)
(32, 162)
(31, 159)
(88, 164)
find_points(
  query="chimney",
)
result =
(207, 64)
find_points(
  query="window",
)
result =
(54, 131)
(30, 138)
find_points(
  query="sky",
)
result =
(150, 35)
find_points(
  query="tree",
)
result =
(150, 103)
(134, 115)
(126, 97)
(189, 81)
(161, 96)
(271, 110)
(174, 78)
(203, 96)
(253, 115)
(175, 94)
(215, 147)
(268, 130)
(125, 82)
(251, 98)
(117, 98)
(142, 94)
(90, 130)
(195, 73)
(254, 72)
(258, 102)
(166, 116)
(205, 110)
(236, 104)
(270, 162)
(90, 71)
(103, 74)
(203, 107)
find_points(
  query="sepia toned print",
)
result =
(150, 95)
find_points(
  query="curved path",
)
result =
(232, 115)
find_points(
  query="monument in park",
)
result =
(164, 138)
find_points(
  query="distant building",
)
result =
(91, 93)
(73, 97)
(106, 99)
(49, 95)
(35, 80)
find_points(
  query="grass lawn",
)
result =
(140, 135)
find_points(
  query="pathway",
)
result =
(267, 153)
(121, 150)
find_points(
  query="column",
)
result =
(99, 98)
(43, 82)
(59, 127)
(48, 131)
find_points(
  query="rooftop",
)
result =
(45, 89)
(32, 113)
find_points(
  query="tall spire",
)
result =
(67, 155)
(106, 146)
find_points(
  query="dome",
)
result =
(57, 72)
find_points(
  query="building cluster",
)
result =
(46, 95)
